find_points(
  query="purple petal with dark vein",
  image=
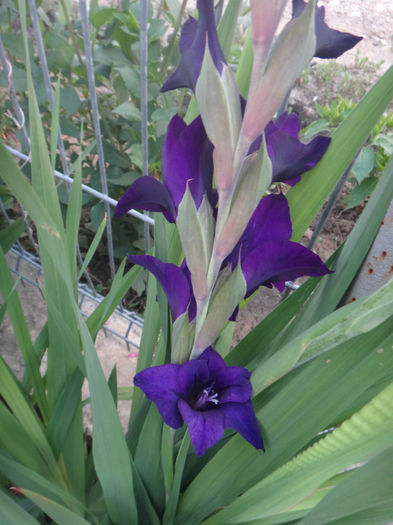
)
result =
(291, 158)
(276, 261)
(330, 42)
(148, 194)
(187, 159)
(205, 428)
(270, 221)
(172, 280)
(192, 47)
(241, 417)
(159, 383)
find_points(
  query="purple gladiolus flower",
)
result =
(207, 395)
(192, 44)
(186, 160)
(289, 156)
(330, 42)
(267, 255)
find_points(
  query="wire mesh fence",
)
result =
(87, 291)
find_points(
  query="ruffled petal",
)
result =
(289, 156)
(330, 42)
(192, 48)
(187, 159)
(159, 383)
(172, 280)
(146, 193)
(277, 261)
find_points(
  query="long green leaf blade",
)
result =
(347, 139)
(11, 513)
(364, 435)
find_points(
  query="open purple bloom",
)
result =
(186, 160)
(207, 395)
(267, 255)
(192, 44)
(330, 42)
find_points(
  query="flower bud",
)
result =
(292, 50)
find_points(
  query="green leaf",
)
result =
(55, 125)
(360, 193)
(386, 142)
(61, 515)
(111, 456)
(332, 288)
(148, 458)
(340, 326)
(73, 216)
(128, 111)
(22, 333)
(64, 411)
(365, 434)
(11, 234)
(69, 100)
(23, 476)
(227, 26)
(93, 247)
(347, 139)
(368, 487)
(364, 164)
(28, 418)
(170, 510)
(12, 513)
(243, 72)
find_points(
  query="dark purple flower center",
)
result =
(204, 399)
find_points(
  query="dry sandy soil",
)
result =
(373, 19)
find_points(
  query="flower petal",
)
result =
(192, 47)
(241, 417)
(290, 157)
(146, 193)
(270, 221)
(187, 159)
(232, 384)
(205, 428)
(192, 377)
(159, 383)
(280, 261)
(172, 280)
(330, 42)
